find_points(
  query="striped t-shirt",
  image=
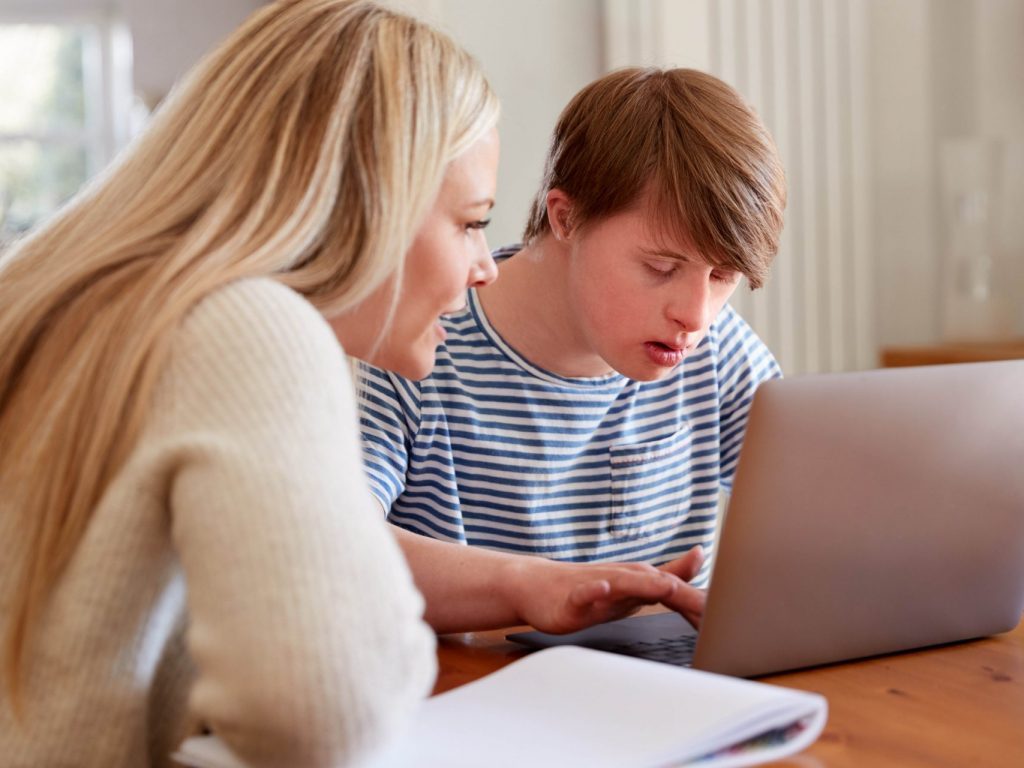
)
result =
(492, 451)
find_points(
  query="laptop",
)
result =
(872, 512)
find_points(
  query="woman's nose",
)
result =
(483, 269)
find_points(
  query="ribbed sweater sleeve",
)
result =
(304, 623)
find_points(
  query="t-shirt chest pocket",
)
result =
(651, 485)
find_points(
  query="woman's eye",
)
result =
(479, 224)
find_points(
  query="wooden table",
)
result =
(947, 707)
(952, 352)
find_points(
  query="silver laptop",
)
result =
(872, 512)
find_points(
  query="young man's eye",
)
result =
(661, 269)
(725, 276)
(479, 224)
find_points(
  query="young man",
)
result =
(589, 405)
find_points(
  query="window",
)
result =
(65, 111)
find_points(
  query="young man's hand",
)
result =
(566, 597)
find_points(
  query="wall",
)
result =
(937, 69)
(934, 70)
(1000, 76)
(944, 71)
(537, 54)
(901, 114)
(171, 35)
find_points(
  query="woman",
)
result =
(186, 535)
(169, 395)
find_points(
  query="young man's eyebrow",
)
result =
(688, 258)
(669, 254)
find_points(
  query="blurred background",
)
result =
(900, 124)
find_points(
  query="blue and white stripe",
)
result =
(492, 451)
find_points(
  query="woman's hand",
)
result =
(565, 597)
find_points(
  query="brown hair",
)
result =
(687, 139)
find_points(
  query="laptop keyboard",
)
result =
(670, 650)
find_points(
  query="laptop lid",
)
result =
(872, 512)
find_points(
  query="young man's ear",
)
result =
(560, 214)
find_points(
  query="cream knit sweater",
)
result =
(236, 574)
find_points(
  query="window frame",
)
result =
(107, 81)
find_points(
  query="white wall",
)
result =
(903, 149)
(1000, 76)
(938, 69)
(942, 71)
(171, 35)
(1000, 67)
(537, 54)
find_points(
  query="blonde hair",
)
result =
(683, 137)
(308, 147)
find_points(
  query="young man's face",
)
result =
(643, 300)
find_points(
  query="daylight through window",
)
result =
(63, 113)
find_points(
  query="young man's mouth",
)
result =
(664, 355)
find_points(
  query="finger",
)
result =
(574, 619)
(649, 585)
(688, 601)
(584, 595)
(687, 566)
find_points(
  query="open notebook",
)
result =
(571, 706)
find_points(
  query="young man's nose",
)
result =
(690, 306)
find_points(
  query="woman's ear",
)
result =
(560, 214)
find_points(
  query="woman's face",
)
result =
(448, 255)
